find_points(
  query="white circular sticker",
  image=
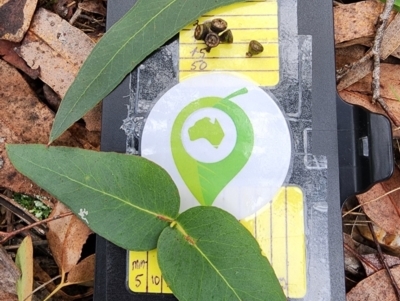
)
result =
(223, 140)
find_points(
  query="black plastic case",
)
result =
(355, 143)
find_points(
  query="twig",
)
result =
(383, 261)
(346, 69)
(376, 49)
(375, 53)
(360, 258)
(9, 235)
(42, 286)
(376, 73)
(370, 201)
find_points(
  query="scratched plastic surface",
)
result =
(295, 224)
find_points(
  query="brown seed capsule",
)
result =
(212, 40)
(255, 47)
(218, 25)
(226, 37)
(201, 30)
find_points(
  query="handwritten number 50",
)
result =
(198, 65)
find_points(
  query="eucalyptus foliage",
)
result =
(204, 253)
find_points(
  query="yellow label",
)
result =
(279, 229)
(248, 21)
(144, 275)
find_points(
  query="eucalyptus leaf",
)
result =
(127, 199)
(24, 261)
(209, 255)
(144, 28)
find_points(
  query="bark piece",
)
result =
(15, 16)
(57, 47)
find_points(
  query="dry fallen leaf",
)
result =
(83, 272)
(23, 119)
(7, 53)
(356, 20)
(347, 55)
(390, 83)
(385, 212)
(391, 261)
(9, 274)
(391, 38)
(96, 7)
(24, 261)
(15, 16)
(66, 238)
(59, 49)
(376, 287)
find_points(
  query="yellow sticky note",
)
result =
(247, 21)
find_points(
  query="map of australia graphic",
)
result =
(207, 129)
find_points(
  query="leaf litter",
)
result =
(26, 117)
(362, 15)
(355, 33)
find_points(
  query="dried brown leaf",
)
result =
(9, 274)
(376, 287)
(7, 53)
(390, 83)
(356, 20)
(4, 296)
(59, 49)
(347, 55)
(385, 212)
(83, 272)
(374, 259)
(355, 74)
(391, 38)
(93, 6)
(66, 238)
(23, 119)
(15, 16)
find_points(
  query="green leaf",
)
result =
(396, 5)
(209, 255)
(127, 199)
(24, 261)
(144, 28)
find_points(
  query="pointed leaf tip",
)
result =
(122, 48)
(120, 197)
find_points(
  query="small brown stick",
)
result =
(8, 235)
(376, 50)
(383, 261)
(342, 72)
(360, 258)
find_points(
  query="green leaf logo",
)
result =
(206, 180)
